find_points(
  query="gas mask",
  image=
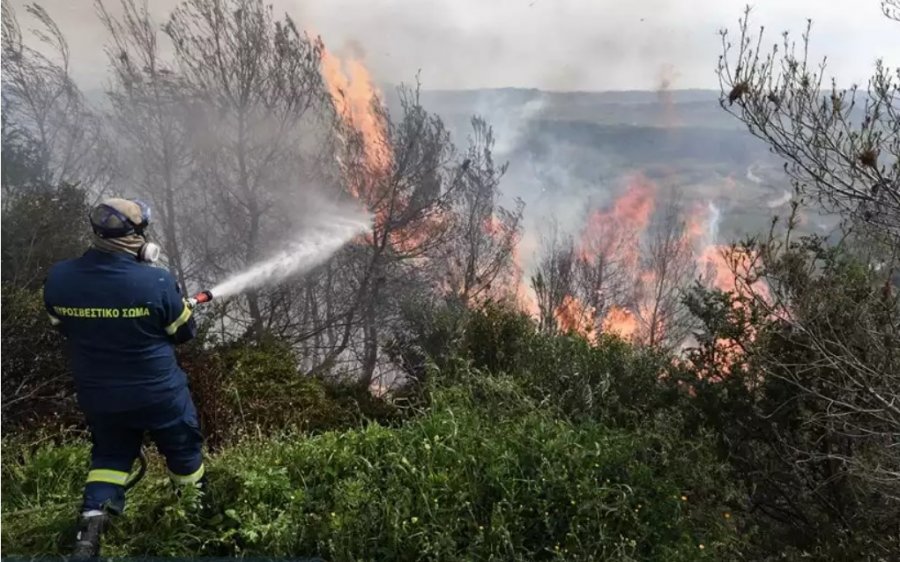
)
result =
(110, 223)
(149, 252)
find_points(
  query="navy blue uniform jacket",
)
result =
(121, 319)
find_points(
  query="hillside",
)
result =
(569, 152)
(634, 107)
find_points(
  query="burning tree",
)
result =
(588, 286)
(608, 256)
(477, 262)
(234, 155)
(241, 135)
(626, 274)
(554, 284)
(666, 270)
(406, 175)
(602, 272)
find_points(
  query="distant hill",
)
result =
(569, 151)
(639, 108)
(615, 96)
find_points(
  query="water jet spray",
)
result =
(313, 248)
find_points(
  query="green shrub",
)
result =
(428, 335)
(242, 388)
(255, 388)
(803, 415)
(41, 226)
(37, 386)
(461, 482)
(610, 381)
(499, 338)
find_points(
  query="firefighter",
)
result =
(121, 318)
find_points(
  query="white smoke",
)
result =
(511, 122)
(783, 200)
(715, 220)
(313, 248)
(751, 175)
(512, 129)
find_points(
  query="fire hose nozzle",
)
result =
(201, 297)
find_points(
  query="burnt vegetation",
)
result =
(640, 392)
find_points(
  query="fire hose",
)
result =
(136, 476)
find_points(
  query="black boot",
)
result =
(87, 541)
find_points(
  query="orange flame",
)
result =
(355, 99)
(620, 321)
(573, 316)
(722, 267)
(630, 213)
(612, 234)
(357, 102)
(525, 298)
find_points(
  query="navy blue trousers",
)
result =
(117, 439)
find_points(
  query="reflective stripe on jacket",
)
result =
(121, 319)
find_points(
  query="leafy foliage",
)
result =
(40, 228)
(255, 388)
(461, 482)
(806, 413)
(609, 380)
(37, 388)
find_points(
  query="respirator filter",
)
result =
(149, 252)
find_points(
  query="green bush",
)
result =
(255, 388)
(37, 386)
(461, 482)
(243, 388)
(610, 381)
(41, 226)
(499, 338)
(429, 335)
(804, 414)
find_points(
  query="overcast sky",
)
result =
(547, 44)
